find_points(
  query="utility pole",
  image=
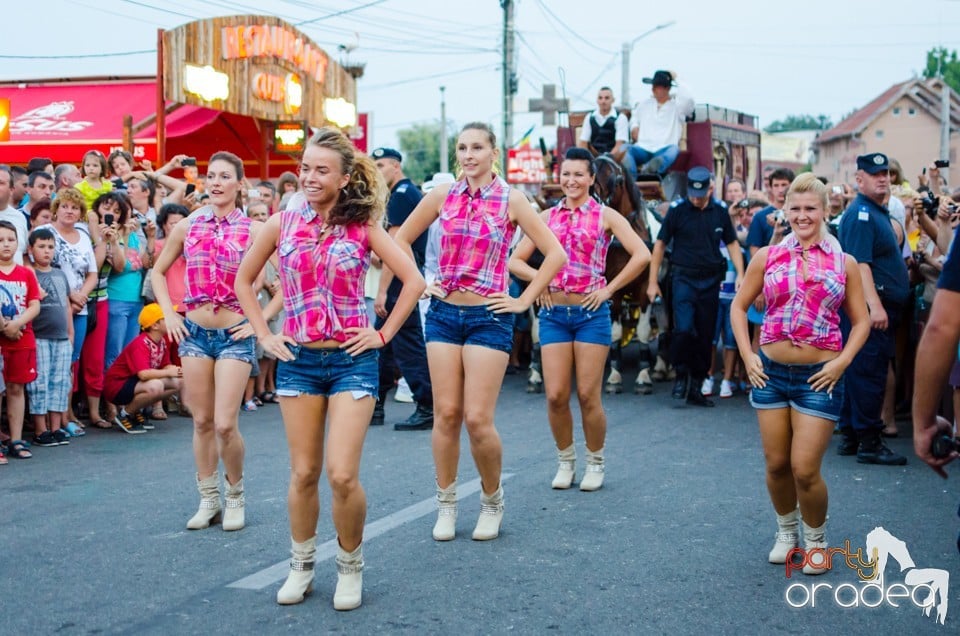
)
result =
(509, 74)
(444, 160)
(625, 62)
(944, 117)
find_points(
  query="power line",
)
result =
(75, 57)
(161, 10)
(550, 15)
(421, 78)
(343, 12)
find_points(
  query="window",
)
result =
(896, 111)
(879, 134)
(912, 112)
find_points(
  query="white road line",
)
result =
(278, 572)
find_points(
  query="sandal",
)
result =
(102, 424)
(75, 430)
(269, 397)
(19, 449)
(257, 401)
(158, 413)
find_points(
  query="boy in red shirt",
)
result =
(142, 374)
(19, 304)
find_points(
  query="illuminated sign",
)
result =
(206, 82)
(293, 94)
(4, 119)
(340, 112)
(289, 137)
(246, 41)
(283, 90)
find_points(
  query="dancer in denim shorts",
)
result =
(327, 375)
(575, 327)
(469, 333)
(797, 376)
(216, 344)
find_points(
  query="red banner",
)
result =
(525, 165)
(360, 134)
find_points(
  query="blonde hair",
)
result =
(491, 138)
(808, 183)
(69, 195)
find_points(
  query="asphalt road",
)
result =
(676, 541)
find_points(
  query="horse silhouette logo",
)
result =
(886, 546)
(53, 110)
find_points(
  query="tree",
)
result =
(800, 122)
(420, 147)
(940, 61)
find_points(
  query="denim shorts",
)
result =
(468, 325)
(328, 372)
(216, 344)
(787, 386)
(574, 323)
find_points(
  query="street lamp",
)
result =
(625, 55)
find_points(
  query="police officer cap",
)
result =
(387, 153)
(698, 181)
(873, 163)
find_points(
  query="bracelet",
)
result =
(381, 338)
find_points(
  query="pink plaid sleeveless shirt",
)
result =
(213, 249)
(322, 270)
(475, 235)
(802, 309)
(584, 240)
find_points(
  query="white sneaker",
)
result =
(726, 389)
(403, 393)
(707, 387)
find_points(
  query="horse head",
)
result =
(614, 189)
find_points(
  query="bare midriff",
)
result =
(785, 352)
(465, 298)
(207, 317)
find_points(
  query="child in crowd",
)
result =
(53, 330)
(94, 182)
(19, 305)
(142, 374)
(258, 211)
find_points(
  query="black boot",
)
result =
(872, 450)
(378, 412)
(694, 396)
(421, 420)
(680, 386)
(849, 444)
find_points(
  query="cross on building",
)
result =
(549, 104)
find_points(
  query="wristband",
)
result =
(382, 339)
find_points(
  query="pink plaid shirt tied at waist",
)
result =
(322, 270)
(803, 307)
(475, 235)
(213, 249)
(583, 238)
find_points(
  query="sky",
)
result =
(766, 59)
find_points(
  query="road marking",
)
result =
(278, 572)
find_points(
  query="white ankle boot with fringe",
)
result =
(445, 529)
(566, 466)
(299, 582)
(349, 592)
(233, 501)
(786, 539)
(209, 510)
(593, 476)
(814, 539)
(491, 515)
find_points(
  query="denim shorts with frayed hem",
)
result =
(215, 344)
(788, 387)
(327, 372)
(468, 325)
(574, 323)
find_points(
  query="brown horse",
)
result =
(614, 189)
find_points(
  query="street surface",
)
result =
(675, 542)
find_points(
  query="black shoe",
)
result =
(127, 423)
(378, 414)
(61, 436)
(696, 398)
(680, 387)
(421, 420)
(848, 446)
(45, 438)
(878, 453)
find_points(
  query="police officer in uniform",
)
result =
(406, 351)
(605, 130)
(697, 226)
(866, 234)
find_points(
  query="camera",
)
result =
(188, 161)
(143, 221)
(108, 218)
(838, 189)
(930, 204)
(943, 445)
(942, 163)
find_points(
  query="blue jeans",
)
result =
(216, 344)
(124, 325)
(573, 323)
(469, 325)
(788, 387)
(636, 156)
(327, 372)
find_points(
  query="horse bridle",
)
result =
(612, 183)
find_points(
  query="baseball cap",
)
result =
(150, 315)
(873, 163)
(698, 181)
(386, 153)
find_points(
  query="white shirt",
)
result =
(621, 127)
(661, 125)
(15, 216)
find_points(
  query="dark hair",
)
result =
(581, 154)
(119, 153)
(605, 88)
(38, 174)
(782, 174)
(267, 184)
(237, 163)
(7, 225)
(365, 195)
(42, 204)
(18, 171)
(166, 210)
(39, 163)
(41, 234)
(288, 177)
(147, 184)
(123, 203)
(100, 159)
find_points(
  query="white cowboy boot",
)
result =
(813, 539)
(233, 516)
(299, 582)
(566, 465)
(349, 592)
(786, 536)
(209, 510)
(593, 477)
(445, 529)
(491, 516)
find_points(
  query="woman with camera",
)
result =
(797, 375)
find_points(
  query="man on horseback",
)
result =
(657, 126)
(605, 130)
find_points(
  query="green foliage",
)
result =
(800, 122)
(420, 147)
(939, 59)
